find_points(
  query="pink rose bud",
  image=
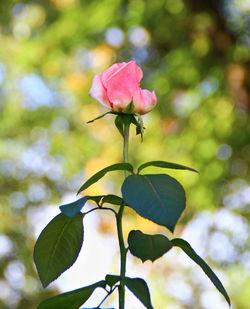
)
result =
(119, 85)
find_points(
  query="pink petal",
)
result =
(98, 92)
(122, 84)
(111, 71)
(117, 67)
(144, 101)
(139, 72)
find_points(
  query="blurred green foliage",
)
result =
(195, 56)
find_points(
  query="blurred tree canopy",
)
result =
(194, 54)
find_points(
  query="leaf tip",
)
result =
(79, 191)
(171, 228)
(44, 284)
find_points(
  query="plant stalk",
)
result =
(125, 144)
(123, 251)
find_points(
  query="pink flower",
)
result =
(119, 85)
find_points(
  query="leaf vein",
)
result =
(154, 191)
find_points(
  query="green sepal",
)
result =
(57, 247)
(129, 108)
(119, 124)
(99, 117)
(140, 289)
(73, 299)
(126, 116)
(148, 247)
(114, 167)
(139, 126)
(185, 246)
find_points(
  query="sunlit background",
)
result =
(194, 54)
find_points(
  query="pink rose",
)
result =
(119, 85)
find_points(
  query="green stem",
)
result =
(123, 250)
(122, 258)
(108, 294)
(125, 144)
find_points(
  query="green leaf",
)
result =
(140, 289)
(159, 198)
(71, 300)
(72, 209)
(148, 247)
(112, 199)
(184, 245)
(58, 247)
(165, 164)
(111, 280)
(115, 167)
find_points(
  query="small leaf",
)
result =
(165, 164)
(111, 280)
(58, 247)
(71, 300)
(148, 247)
(159, 198)
(72, 209)
(185, 246)
(140, 289)
(115, 167)
(112, 199)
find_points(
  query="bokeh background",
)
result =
(194, 54)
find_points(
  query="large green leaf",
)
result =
(185, 246)
(148, 247)
(165, 164)
(115, 167)
(159, 198)
(57, 247)
(140, 289)
(71, 300)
